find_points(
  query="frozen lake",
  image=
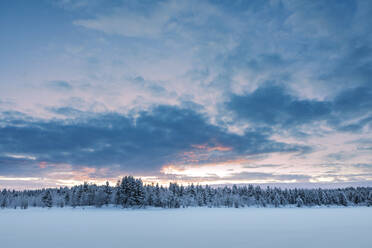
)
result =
(191, 228)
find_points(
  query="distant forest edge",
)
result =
(132, 193)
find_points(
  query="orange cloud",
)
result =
(43, 165)
(212, 148)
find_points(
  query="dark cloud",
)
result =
(354, 107)
(354, 101)
(273, 105)
(11, 165)
(142, 143)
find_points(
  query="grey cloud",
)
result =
(143, 143)
(273, 105)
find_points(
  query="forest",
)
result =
(132, 193)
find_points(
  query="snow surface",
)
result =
(191, 228)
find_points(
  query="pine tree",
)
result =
(369, 201)
(343, 199)
(108, 192)
(67, 198)
(47, 199)
(157, 198)
(117, 197)
(74, 200)
(99, 198)
(24, 203)
(3, 203)
(299, 202)
(139, 193)
(276, 200)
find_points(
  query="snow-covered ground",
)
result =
(191, 228)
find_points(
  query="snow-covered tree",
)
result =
(47, 199)
(130, 192)
(299, 202)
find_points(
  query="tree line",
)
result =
(132, 193)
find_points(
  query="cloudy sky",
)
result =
(190, 91)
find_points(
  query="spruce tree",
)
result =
(108, 192)
(3, 203)
(276, 200)
(343, 199)
(47, 199)
(299, 202)
(369, 201)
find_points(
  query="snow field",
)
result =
(188, 228)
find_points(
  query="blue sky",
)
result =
(189, 91)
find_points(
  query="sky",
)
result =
(209, 92)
